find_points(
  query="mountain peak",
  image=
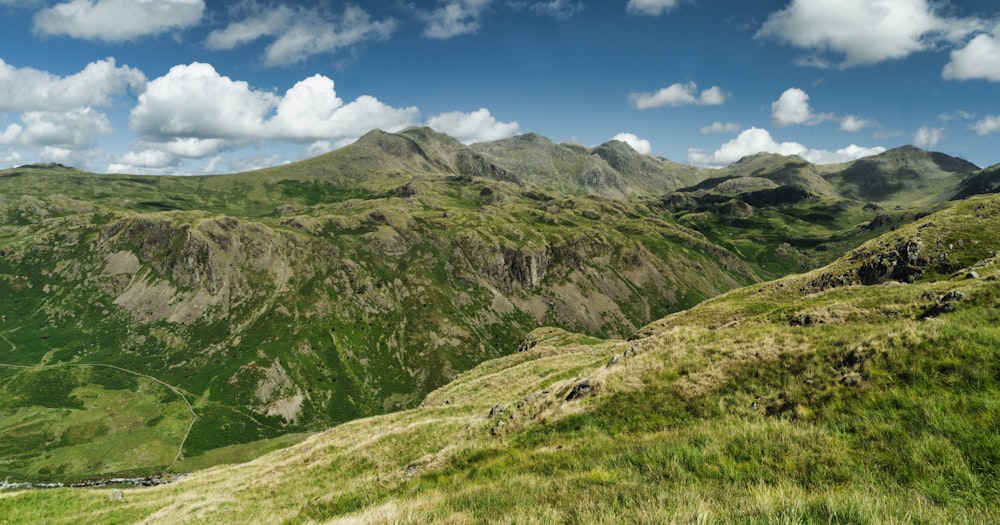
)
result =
(766, 157)
(910, 155)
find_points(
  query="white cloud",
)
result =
(721, 127)
(641, 145)
(311, 111)
(195, 101)
(28, 89)
(11, 134)
(11, 158)
(854, 123)
(650, 7)
(864, 31)
(20, 4)
(987, 125)
(262, 23)
(149, 158)
(76, 129)
(301, 34)
(454, 18)
(927, 137)
(960, 114)
(792, 107)
(678, 95)
(757, 140)
(979, 59)
(318, 148)
(560, 9)
(212, 165)
(118, 20)
(255, 162)
(477, 126)
(195, 112)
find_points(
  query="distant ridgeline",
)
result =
(354, 283)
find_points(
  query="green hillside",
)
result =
(862, 392)
(349, 285)
(284, 301)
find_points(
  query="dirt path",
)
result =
(194, 416)
(13, 347)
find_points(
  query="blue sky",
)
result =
(203, 86)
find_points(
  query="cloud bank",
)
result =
(478, 126)
(757, 140)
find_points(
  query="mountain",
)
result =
(301, 296)
(862, 391)
(789, 215)
(239, 310)
(983, 181)
(902, 175)
(612, 170)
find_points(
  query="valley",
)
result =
(407, 328)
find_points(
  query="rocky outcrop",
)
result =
(473, 164)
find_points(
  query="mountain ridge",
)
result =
(353, 283)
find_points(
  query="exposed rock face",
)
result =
(179, 270)
(472, 164)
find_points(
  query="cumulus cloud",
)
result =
(10, 158)
(477, 126)
(118, 20)
(57, 115)
(757, 140)
(678, 95)
(987, 125)
(720, 127)
(302, 33)
(195, 101)
(979, 59)
(195, 112)
(651, 7)
(453, 18)
(10, 134)
(28, 89)
(854, 123)
(76, 129)
(641, 145)
(311, 111)
(792, 107)
(928, 137)
(864, 31)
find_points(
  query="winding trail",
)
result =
(194, 416)
(13, 347)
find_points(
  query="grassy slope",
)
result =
(71, 423)
(882, 408)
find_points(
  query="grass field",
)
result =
(71, 423)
